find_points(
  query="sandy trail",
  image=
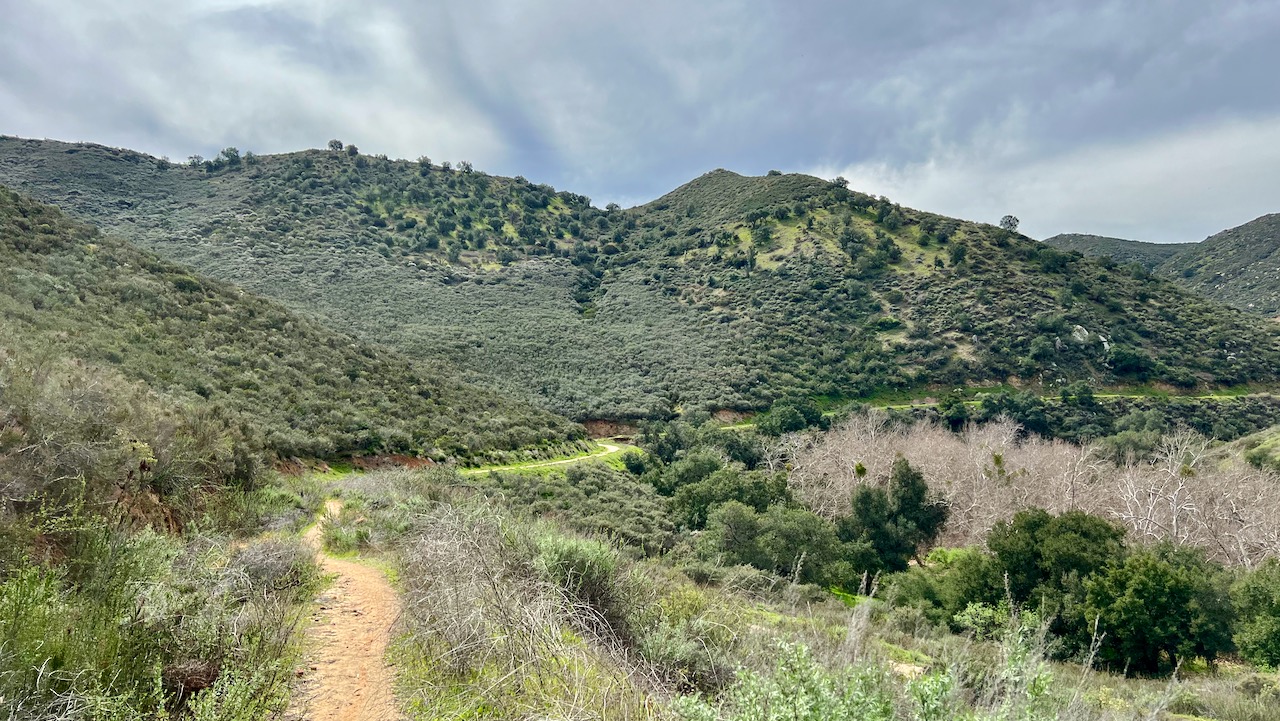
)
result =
(347, 677)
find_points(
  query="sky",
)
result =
(1155, 120)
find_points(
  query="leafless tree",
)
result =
(1189, 493)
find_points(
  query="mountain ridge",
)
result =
(727, 293)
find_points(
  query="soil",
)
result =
(597, 429)
(347, 677)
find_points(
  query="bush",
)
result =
(1257, 600)
(692, 503)
(1158, 607)
(592, 577)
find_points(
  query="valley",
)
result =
(316, 436)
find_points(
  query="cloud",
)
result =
(1176, 187)
(271, 76)
(625, 100)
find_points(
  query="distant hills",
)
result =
(1239, 266)
(1149, 255)
(727, 293)
(72, 292)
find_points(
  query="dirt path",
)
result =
(347, 677)
(605, 449)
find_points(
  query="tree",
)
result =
(692, 503)
(231, 156)
(1159, 607)
(896, 521)
(788, 415)
(732, 533)
(1046, 557)
(335, 146)
(1009, 224)
(352, 150)
(1257, 598)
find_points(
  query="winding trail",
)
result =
(347, 677)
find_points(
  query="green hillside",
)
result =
(70, 291)
(1239, 266)
(1148, 255)
(729, 292)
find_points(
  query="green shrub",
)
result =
(1257, 600)
(798, 689)
(1158, 607)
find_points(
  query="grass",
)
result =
(510, 615)
(597, 453)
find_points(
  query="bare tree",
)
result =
(1188, 493)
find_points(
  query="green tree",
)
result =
(895, 521)
(691, 469)
(1257, 599)
(335, 146)
(732, 534)
(788, 415)
(692, 503)
(799, 544)
(1158, 607)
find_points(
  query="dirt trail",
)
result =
(347, 677)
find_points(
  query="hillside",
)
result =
(727, 293)
(1239, 266)
(71, 291)
(1148, 255)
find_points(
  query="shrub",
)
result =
(1257, 599)
(1158, 607)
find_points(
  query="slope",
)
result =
(1148, 255)
(1239, 266)
(727, 293)
(71, 291)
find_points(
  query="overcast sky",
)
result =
(1151, 120)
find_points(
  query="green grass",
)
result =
(597, 453)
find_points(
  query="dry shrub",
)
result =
(1186, 493)
(496, 639)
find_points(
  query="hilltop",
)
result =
(73, 292)
(727, 293)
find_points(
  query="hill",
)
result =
(729, 292)
(1148, 255)
(71, 291)
(1239, 266)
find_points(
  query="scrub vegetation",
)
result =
(728, 293)
(1068, 508)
